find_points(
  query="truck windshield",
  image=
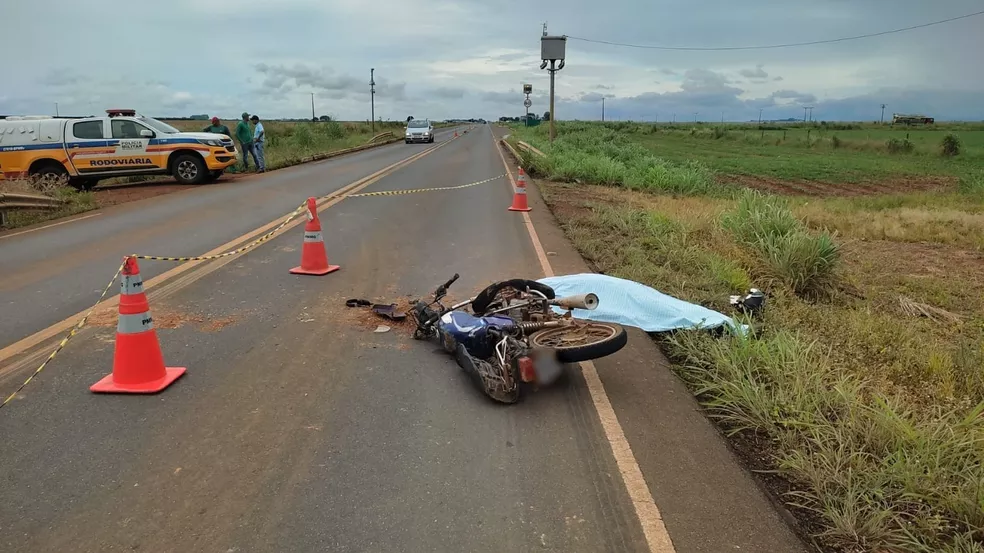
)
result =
(159, 126)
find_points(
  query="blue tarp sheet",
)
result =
(630, 303)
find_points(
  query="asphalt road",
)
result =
(297, 428)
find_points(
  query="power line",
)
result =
(772, 46)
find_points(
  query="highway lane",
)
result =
(299, 429)
(56, 272)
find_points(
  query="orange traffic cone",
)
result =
(138, 365)
(519, 197)
(456, 134)
(314, 257)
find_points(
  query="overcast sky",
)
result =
(468, 58)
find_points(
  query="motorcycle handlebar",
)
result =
(580, 301)
(450, 282)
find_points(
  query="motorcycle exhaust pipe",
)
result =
(580, 301)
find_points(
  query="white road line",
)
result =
(657, 538)
(48, 226)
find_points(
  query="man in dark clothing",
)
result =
(217, 128)
(244, 135)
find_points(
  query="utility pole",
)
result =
(56, 109)
(602, 110)
(804, 113)
(883, 114)
(552, 50)
(811, 113)
(722, 117)
(313, 116)
(695, 117)
(674, 119)
(760, 116)
(372, 96)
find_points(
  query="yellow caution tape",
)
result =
(252, 244)
(61, 345)
(416, 190)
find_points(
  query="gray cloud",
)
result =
(911, 71)
(797, 97)
(323, 80)
(448, 92)
(594, 96)
(757, 73)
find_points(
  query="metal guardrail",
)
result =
(526, 147)
(387, 134)
(10, 202)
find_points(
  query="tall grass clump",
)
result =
(804, 262)
(950, 145)
(879, 475)
(594, 154)
(899, 146)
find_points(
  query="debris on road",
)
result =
(381, 329)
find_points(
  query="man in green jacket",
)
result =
(245, 137)
(218, 128)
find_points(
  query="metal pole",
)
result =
(553, 114)
(602, 110)
(372, 97)
(882, 116)
(56, 110)
(313, 116)
(760, 115)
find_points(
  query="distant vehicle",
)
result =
(898, 118)
(121, 143)
(419, 130)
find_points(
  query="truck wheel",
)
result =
(50, 174)
(189, 169)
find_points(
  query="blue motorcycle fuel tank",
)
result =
(459, 327)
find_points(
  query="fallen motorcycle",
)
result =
(512, 338)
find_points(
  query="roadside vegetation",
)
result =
(74, 202)
(860, 393)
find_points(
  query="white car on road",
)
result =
(419, 130)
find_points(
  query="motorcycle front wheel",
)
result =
(581, 342)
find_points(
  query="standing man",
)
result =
(245, 137)
(259, 139)
(217, 128)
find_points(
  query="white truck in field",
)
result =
(121, 143)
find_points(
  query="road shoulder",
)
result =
(707, 500)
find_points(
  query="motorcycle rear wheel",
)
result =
(581, 342)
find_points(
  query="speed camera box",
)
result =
(553, 47)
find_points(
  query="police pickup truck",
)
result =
(122, 143)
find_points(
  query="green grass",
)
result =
(804, 261)
(603, 156)
(791, 152)
(873, 415)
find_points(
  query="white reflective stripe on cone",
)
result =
(134, 324)
(520, 190)
(313, 237)
(131, 284)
